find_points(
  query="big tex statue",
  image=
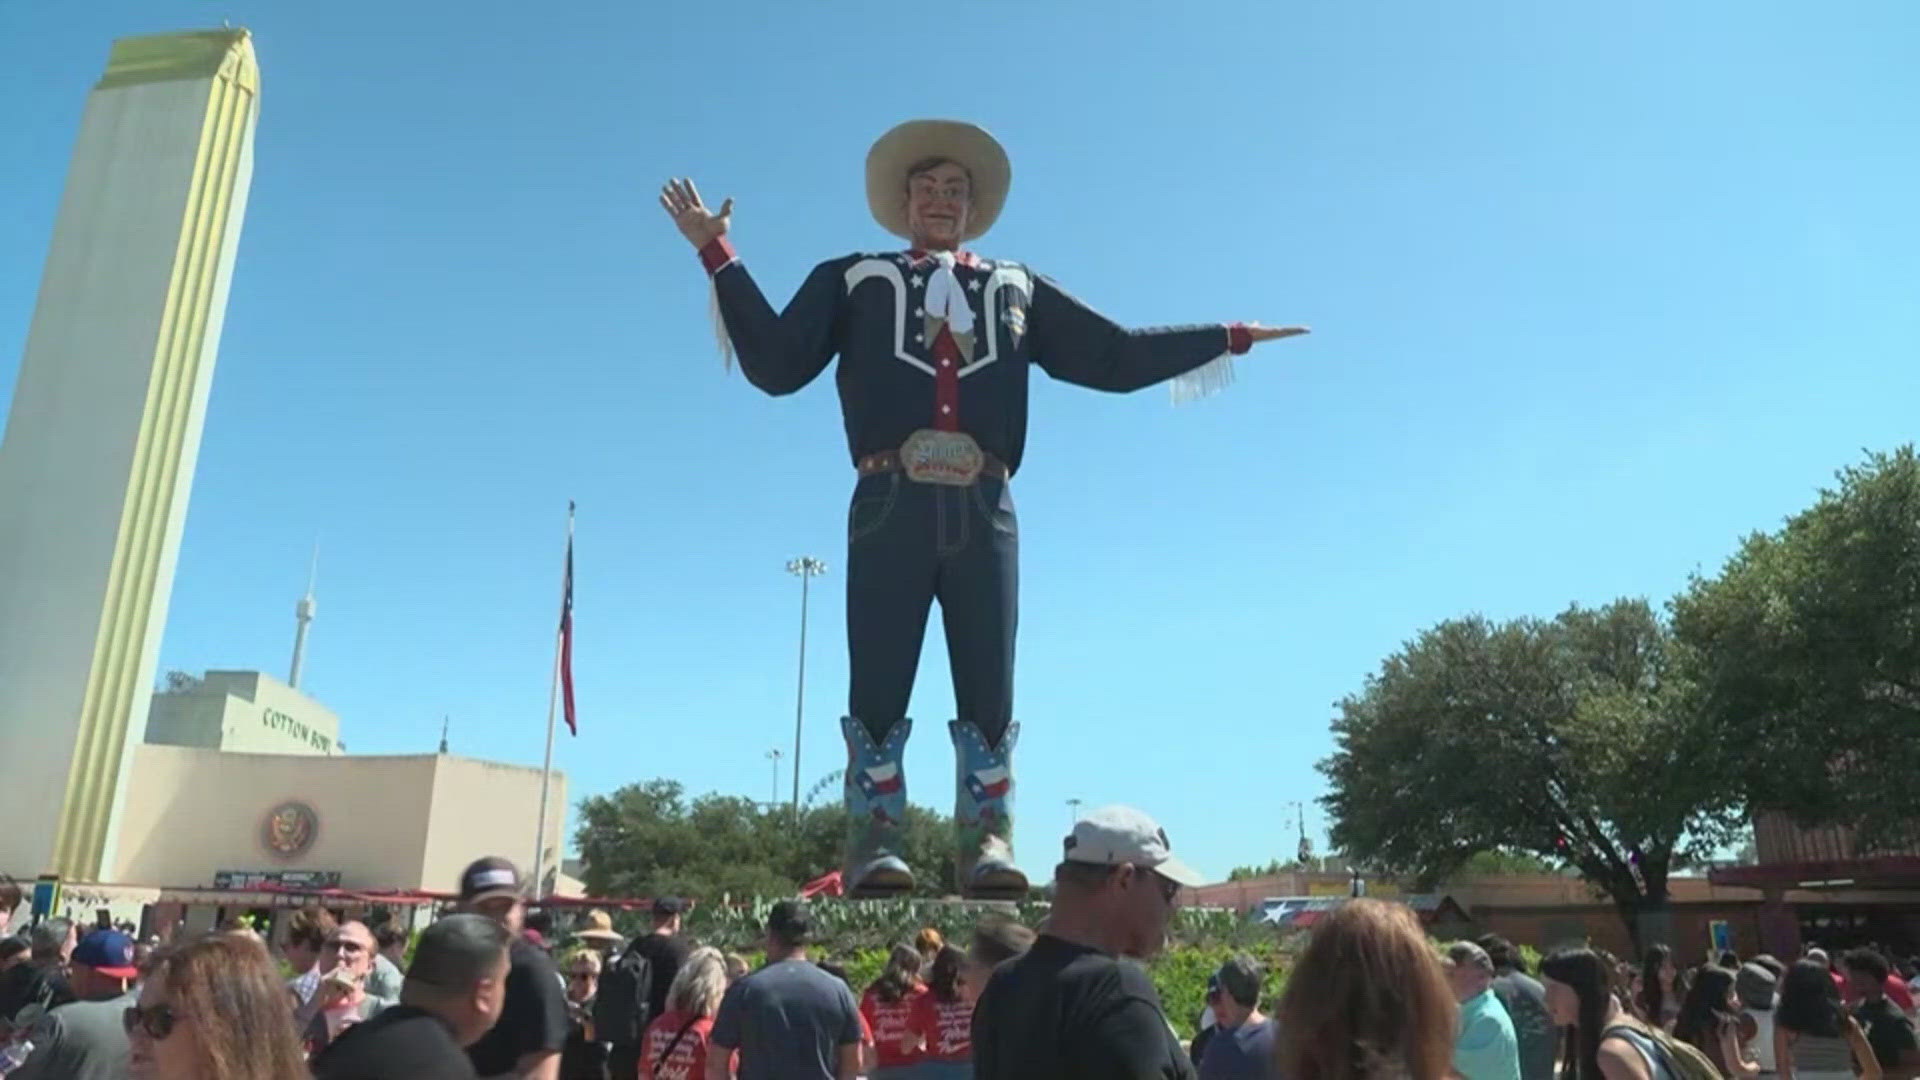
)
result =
(934, 345)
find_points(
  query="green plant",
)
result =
(840, 927)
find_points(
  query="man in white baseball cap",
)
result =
(1075, 1005)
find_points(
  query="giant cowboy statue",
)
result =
(934, 345)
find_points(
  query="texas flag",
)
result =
(991, 783)
(883, 779)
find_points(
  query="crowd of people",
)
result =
(485, 991)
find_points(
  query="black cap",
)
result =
(1241, 977)
(491, 876)
(666, 907)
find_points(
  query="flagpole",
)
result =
(553, 700)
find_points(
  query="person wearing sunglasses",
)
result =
(215, 1009)
(342, 999)
(453, 993)
(585, 1056)
(1074, 1006)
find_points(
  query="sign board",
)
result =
(276, 879)
(46, 896)
(275, 720)
(1720, 936)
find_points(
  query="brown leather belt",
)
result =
(887, 461)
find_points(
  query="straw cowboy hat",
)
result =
(968, 145)
(598, 928)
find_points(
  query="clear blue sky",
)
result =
(1594, 290)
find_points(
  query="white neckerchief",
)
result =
(945, 297)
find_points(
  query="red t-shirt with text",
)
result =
(688, 1059)
(946, 1025)
(893, 1029)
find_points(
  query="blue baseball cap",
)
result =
(108, 952)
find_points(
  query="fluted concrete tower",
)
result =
(104, 432)
(302, 616)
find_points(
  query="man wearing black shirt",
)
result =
(526, 1040)
(1071, 1007)
(663, 951)
(451, 998)
(1889, 1031)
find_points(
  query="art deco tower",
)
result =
(100, 445)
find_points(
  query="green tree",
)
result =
(1572, 740)
(1504, 863)
(1807, 648)
(647, 839)
(1249, 873)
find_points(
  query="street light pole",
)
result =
(1073, 813)
(773, 797)
(806, 567)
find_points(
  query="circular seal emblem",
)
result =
(289, 829)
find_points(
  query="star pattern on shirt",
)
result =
(974, 285)
(917, 281)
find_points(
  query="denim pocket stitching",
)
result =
(992, 513)
(855, 535)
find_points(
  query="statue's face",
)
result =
(939, 205)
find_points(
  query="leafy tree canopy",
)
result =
(1574, 741)
(648, 839)
(1807, 651)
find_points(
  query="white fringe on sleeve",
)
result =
(720, 330)
(1204, 381)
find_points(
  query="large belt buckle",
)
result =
(942, 457)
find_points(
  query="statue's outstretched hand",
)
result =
(1273, 333)
(698, 224)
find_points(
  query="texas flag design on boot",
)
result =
(991, 783)
(881, 779)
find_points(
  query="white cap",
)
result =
(1121, 835)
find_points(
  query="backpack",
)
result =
(621, 1007)
(1683, 1059)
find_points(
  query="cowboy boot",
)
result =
(983, 814)
(876, 793)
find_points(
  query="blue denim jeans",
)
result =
(907, 545)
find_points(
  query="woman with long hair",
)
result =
(1602, 1039)
(214, 1009)
(1710, 1020)
(943, 1020)
(1659, 1002)
(888, 1006)
(676, 1042)
(1813, 1036)
(1367, 1000)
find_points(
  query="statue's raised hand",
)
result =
(698, 224)
(1260, 333)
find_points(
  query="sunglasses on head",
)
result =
(156, 1020)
